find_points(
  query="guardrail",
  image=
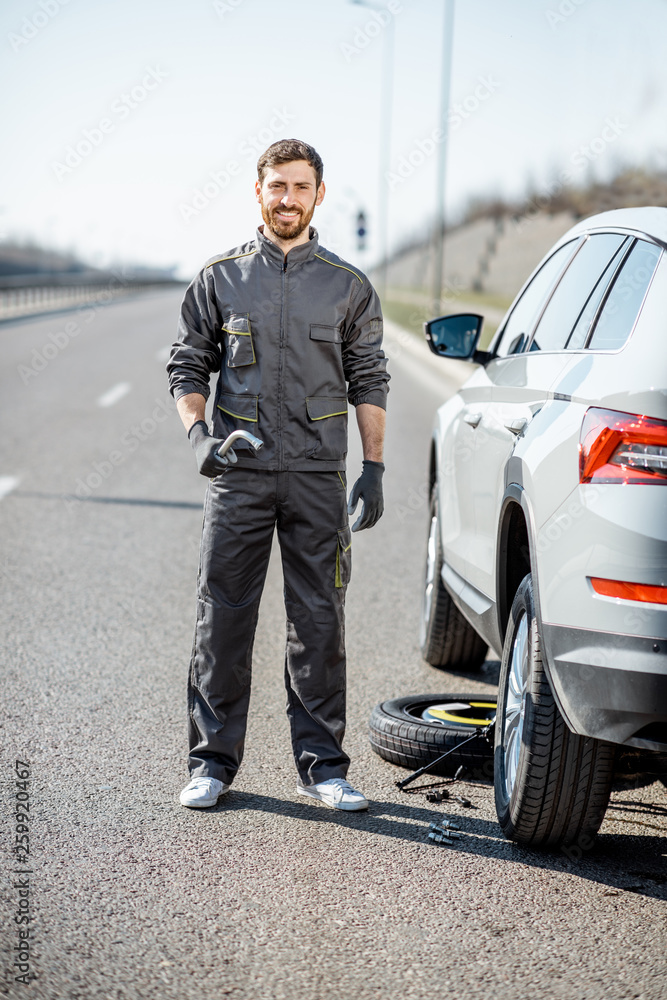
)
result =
(25, 295)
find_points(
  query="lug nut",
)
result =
(439, 831)
(446, 824)
(442, 836)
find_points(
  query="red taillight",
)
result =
(622, 448)
(629, 591)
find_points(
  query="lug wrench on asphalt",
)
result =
(486, 731)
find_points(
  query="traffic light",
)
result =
(361, 231)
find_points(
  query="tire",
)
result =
(400, 734)
(447, 639)
(552, 787)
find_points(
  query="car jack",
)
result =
(485, 731)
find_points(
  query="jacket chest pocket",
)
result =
(326, 427)
(325, 356)
(326, 334)
(239, 349)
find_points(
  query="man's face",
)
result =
(288, 198)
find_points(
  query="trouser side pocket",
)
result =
(344, 557)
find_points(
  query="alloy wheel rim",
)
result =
(429, 582)
(515, 704)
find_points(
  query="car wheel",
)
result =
(551, 786)
(414, 731)
(447, 639)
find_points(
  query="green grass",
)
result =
(411, 316)
(408, 316)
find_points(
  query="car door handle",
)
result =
(516, 426)
(472, 418)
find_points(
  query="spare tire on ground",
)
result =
(416, 730)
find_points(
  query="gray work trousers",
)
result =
(243, 508)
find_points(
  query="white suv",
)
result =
(548, 535)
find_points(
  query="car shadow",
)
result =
(488, 673)
(618, 863)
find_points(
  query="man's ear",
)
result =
(320, 193)
(258, 191)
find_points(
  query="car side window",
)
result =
(579, 335)
(573, 290)
(619, 313)
(518, 328)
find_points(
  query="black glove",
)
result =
(209, 463)
(368, 488)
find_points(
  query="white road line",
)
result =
(7, 484)
(163, 354)
(113, 394)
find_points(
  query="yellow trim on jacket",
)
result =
(341, 266)
(236, 257)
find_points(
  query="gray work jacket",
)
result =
(294, 338)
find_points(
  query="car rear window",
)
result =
(619, 313)
(573, 291)
(514, 337)
(579, 335)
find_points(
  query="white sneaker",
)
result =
(337, 793)
(202, 793)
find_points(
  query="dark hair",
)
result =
(287, 150)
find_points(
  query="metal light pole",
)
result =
(439, 226)
(385, 144)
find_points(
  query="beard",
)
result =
(287, 230)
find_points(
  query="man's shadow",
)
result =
(624, 863)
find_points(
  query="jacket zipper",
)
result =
(281, 450)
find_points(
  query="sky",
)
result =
(132, 127)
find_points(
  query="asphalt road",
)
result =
(267, 895)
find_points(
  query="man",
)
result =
(295, 333)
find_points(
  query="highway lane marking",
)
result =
(163, 354)
(114, 394)
(7, 484)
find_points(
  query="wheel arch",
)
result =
(433, 462)
(517, 555)
(516, 551)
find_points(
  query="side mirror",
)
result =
(456, 336)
